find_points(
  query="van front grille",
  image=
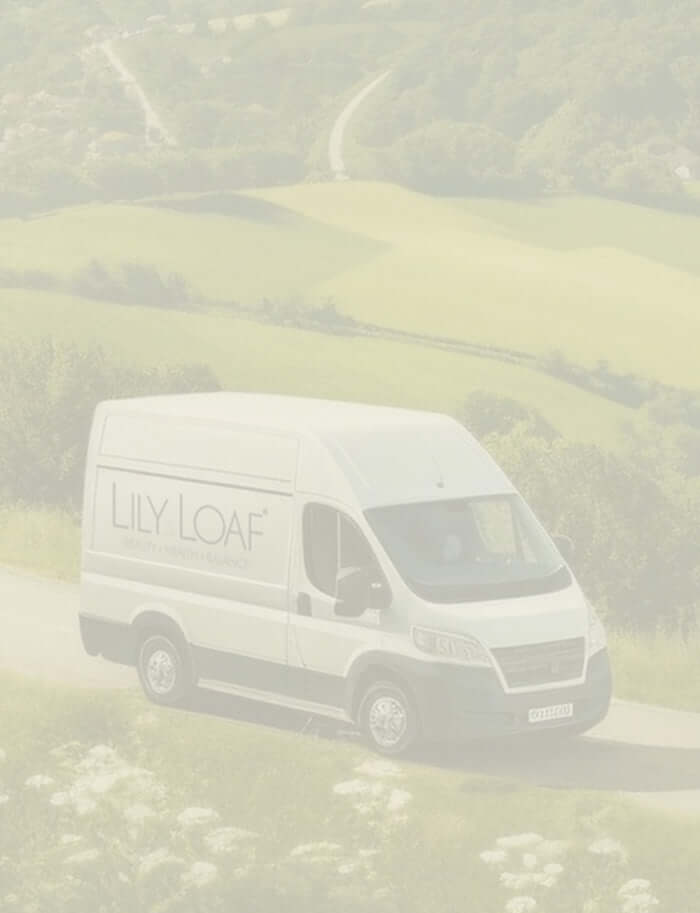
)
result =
(542, 664)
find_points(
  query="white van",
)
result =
(369, 564)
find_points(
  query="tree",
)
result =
(48, 392)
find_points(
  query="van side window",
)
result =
(332, 542)
(321, 546)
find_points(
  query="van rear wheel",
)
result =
(388, 718)
(163, 669)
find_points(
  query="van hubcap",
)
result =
(161, 672)
(388, 721)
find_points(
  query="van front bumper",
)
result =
(460, 704)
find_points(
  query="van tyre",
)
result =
(388, 718)
(164, 669)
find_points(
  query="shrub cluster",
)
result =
(637, 543)
(48, 392)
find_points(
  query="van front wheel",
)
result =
(163, 670)
(388, 719)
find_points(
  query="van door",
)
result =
(324, 644)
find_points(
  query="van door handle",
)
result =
(304, 604)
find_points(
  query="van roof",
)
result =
(386, 455)
(276, 412)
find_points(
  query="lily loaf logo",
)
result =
(186, 520)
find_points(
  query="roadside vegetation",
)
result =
(257, 817)
(661, 669)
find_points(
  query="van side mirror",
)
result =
(566, 547)
(353, 590)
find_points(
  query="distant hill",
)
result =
(126, 98)
(598, 281)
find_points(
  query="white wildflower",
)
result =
(3, 755)
(84, 805)
(639, 903)
(81, 858)
(634, 886)
(519, 841)
(353, 788)
(347, 868)
(138, 813)
(70, 839)
(58, 800)
(199, 874)
(552, 849)
(105, 782)
(156, 859)
(543, 880)
(38, 781)
(493, 857)
(521, 905)
(100, 753)
(316, 852)
(553, 868)
(606, 846)
(529, 860)
(4, 798)
(65, 751)
(398, 800)
(379, 767)
(516, 881)
(192, 817)
(145, 720)
(225, 839)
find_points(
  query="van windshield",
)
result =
(470, 549)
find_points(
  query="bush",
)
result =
(48, 392)
(484, 413)
(636, 546)
(132, 283)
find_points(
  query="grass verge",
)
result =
(106, 803)
(661, 669)
(43, 541)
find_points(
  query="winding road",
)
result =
(154, 123)
(651, 754)
(337, 138)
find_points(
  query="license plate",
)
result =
(553, 712)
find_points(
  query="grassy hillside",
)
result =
(594, 279)
(250, 356)
(591, 279)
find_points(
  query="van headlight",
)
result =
(456, 647)
(597, 638)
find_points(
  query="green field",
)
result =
(592, 278)
(250, 356)
(588, 277)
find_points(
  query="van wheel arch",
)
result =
(156, 620)
(374, 673)
(152, 621)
